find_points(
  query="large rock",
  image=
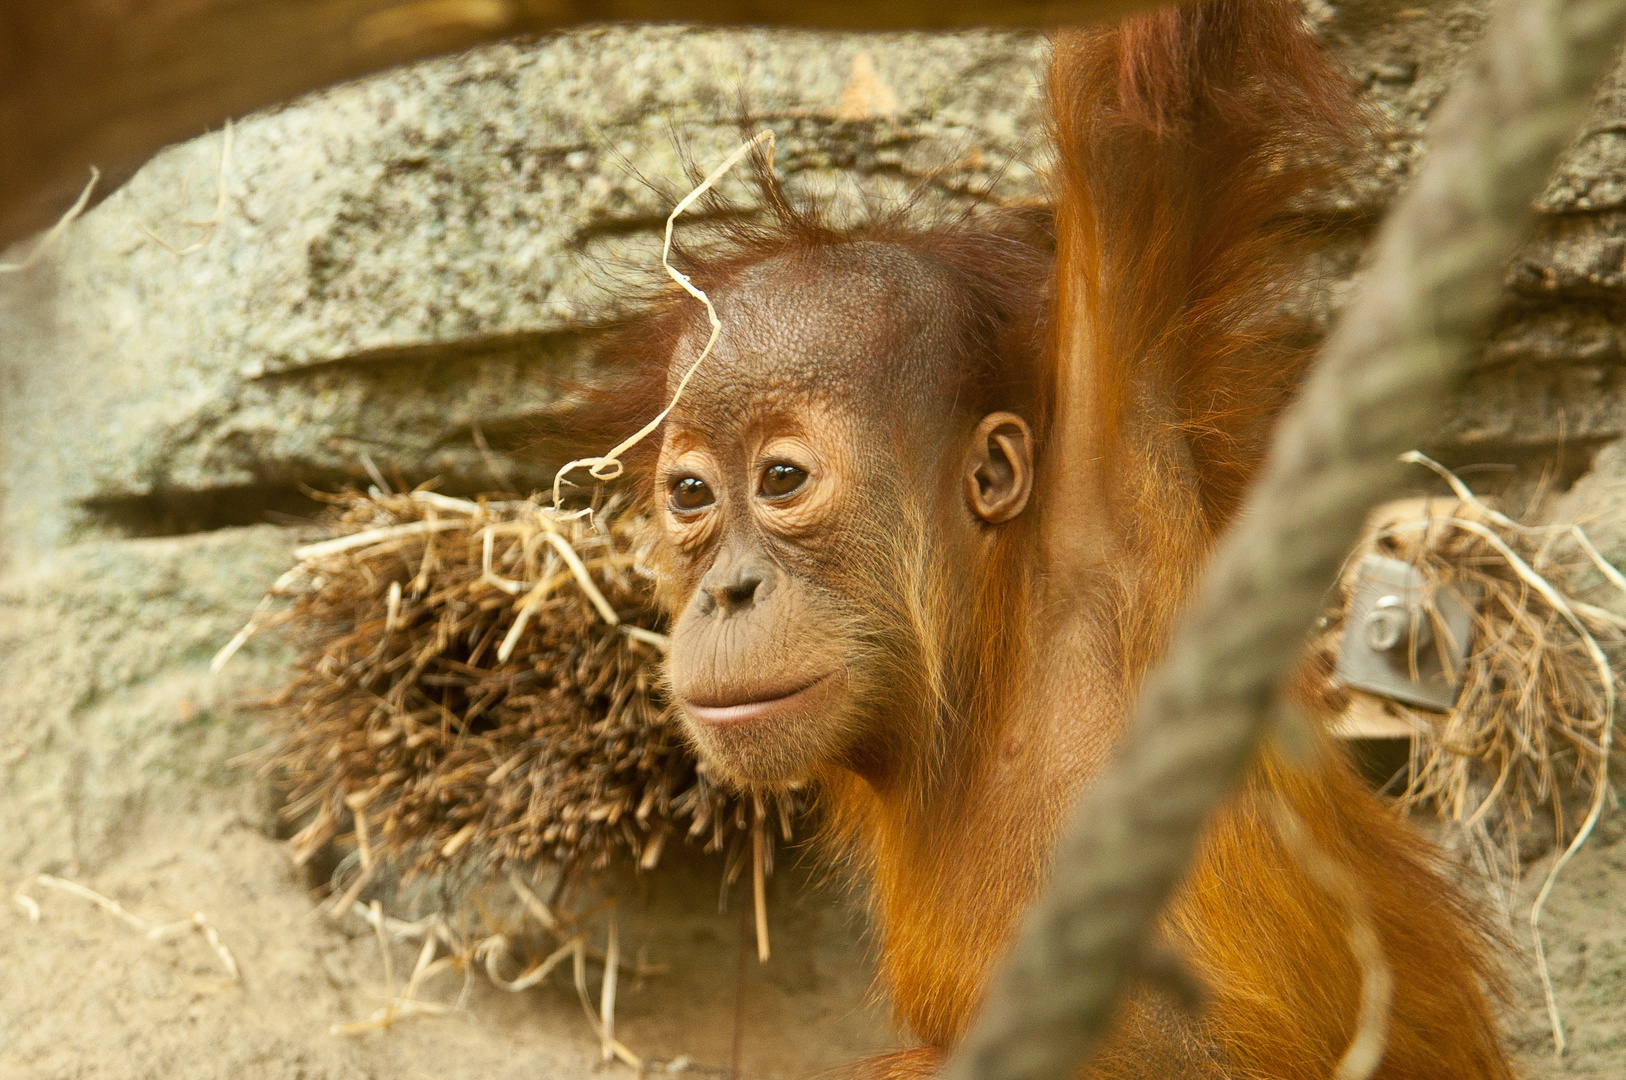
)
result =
(109, 708)
(400, 260)
(402, 264)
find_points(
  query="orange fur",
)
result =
(1181, 135)
(1270, 946)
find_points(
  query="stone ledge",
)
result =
(431, 251)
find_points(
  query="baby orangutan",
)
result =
(929, 508)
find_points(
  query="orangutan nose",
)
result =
(736, 586)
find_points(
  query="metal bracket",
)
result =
(1390, 635)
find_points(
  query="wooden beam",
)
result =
(109, 82)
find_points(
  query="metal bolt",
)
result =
(1389, 624)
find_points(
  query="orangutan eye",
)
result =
(689, 494)
(781, 480)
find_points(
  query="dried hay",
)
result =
(479, 685)
(1531, 722)
(1532, 731)
(464, 946)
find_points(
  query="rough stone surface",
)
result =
(400, 263)
(108, 709)
(402, 259)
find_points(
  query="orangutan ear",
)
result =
(999, 468)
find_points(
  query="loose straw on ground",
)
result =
(196, 922)
(574, 948)
(407, 1003)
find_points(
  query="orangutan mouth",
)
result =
(750, 708)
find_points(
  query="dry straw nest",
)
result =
(1532, 731)
(479, 684)
(1532, 728)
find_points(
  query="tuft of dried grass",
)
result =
(1532, 729)
(1532, 723)
(478, 685)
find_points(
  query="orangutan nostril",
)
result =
(736, 585)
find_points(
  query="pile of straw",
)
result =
(1532, 727)
(479, 684)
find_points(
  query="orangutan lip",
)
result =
(745, 712)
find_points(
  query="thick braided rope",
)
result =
(1424, 308)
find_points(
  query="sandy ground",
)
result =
(1584, 928)
(113, 749)
(85, 995)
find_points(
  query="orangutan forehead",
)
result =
(854, 319)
